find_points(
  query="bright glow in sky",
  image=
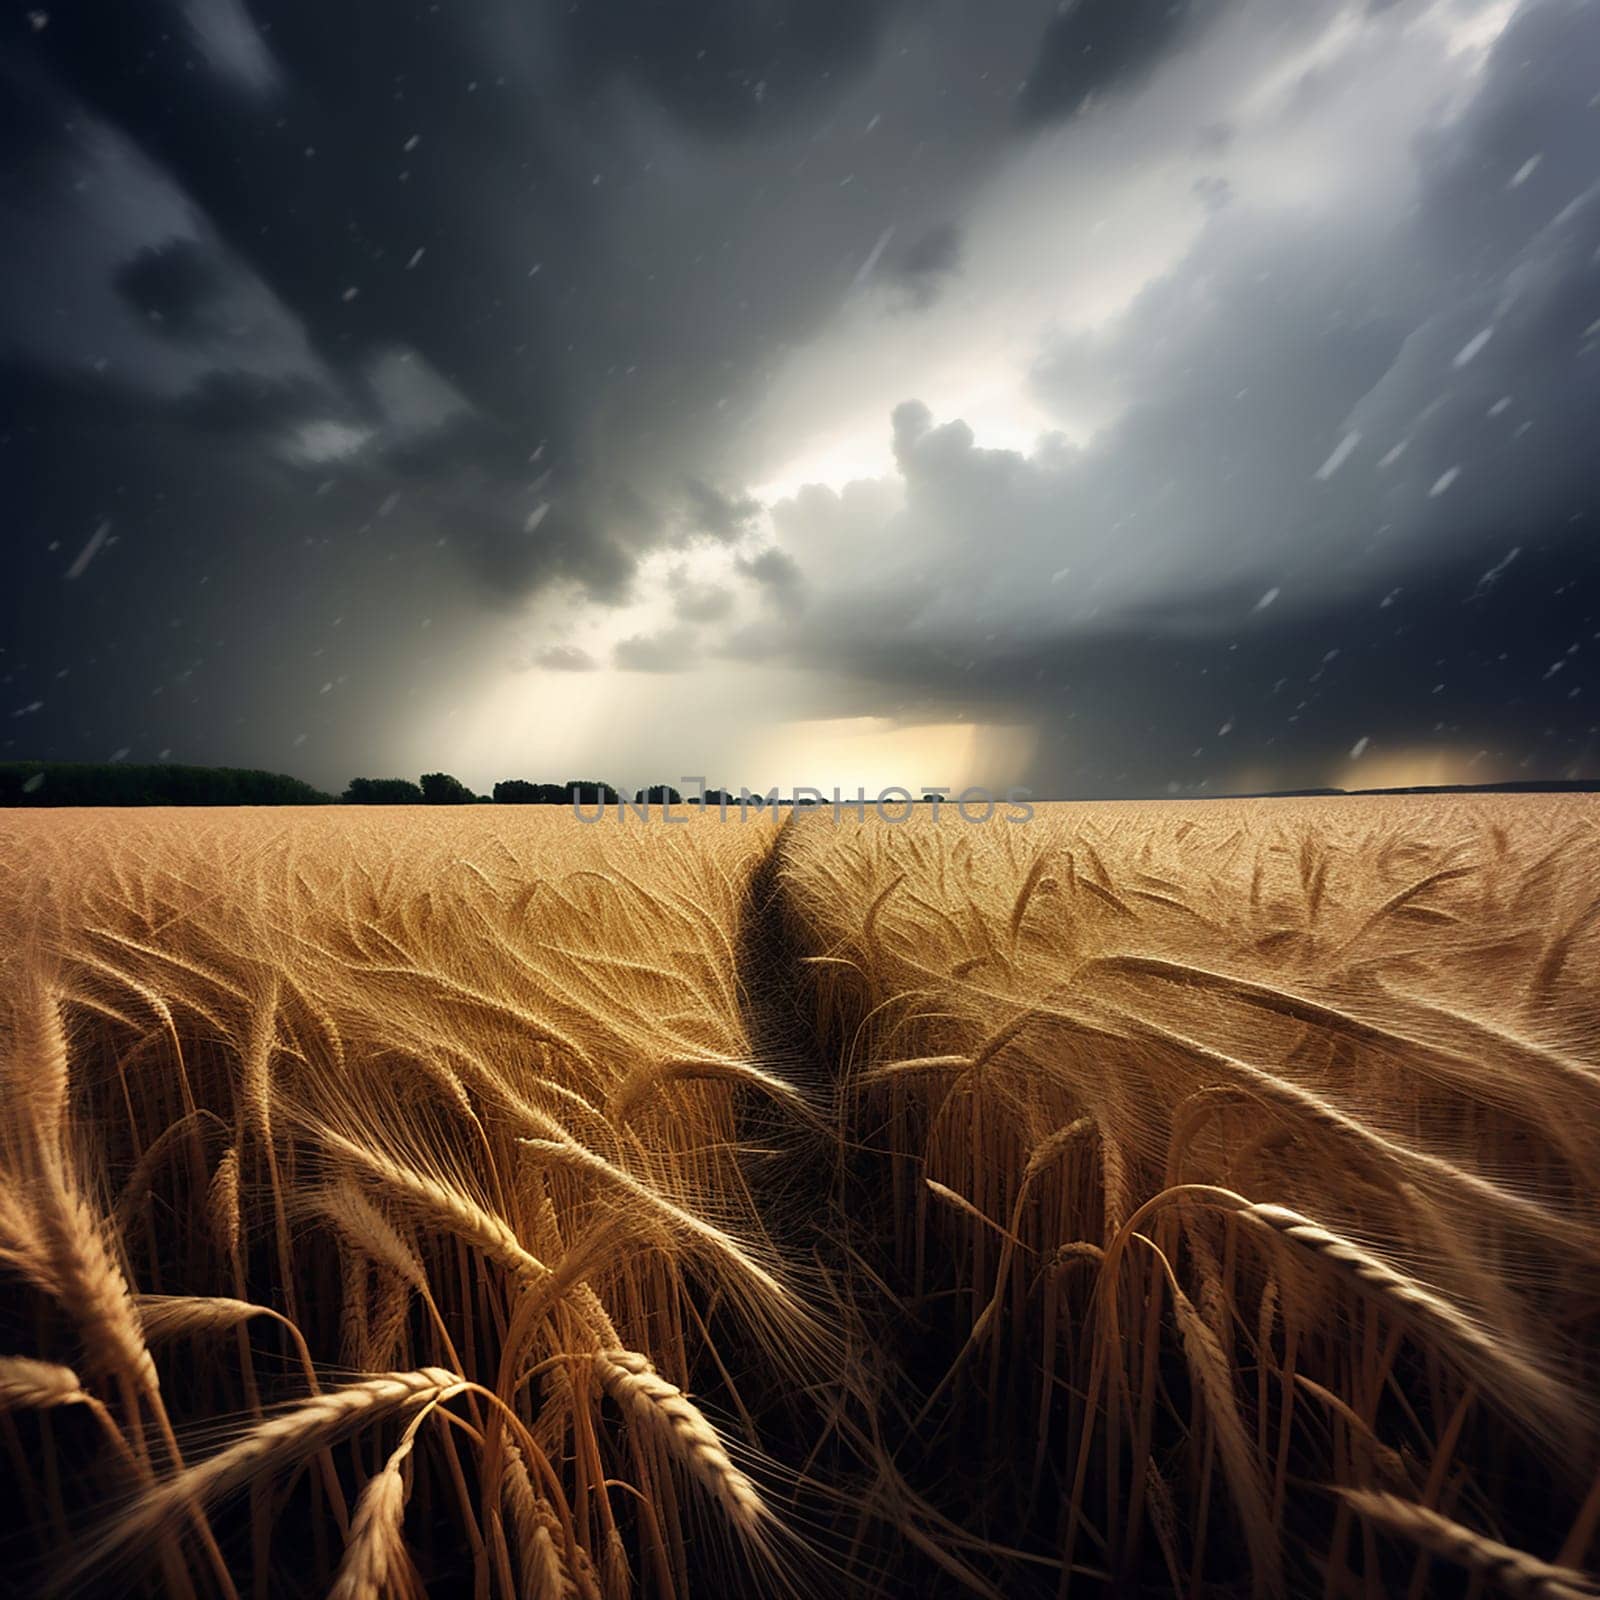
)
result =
(570, 724)
(875, 753)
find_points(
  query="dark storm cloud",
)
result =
(923, 269)
(36, 144)
(726, 66)
(352, 338)
(1525, 149)
(1099, 46)
(596, 226)
(1500, 673)
(314, 193)
(171, 285)
(262, 409)
(206, 634)
(320, 337)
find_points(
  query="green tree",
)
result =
(440, 789)
(519, 792)
(382, 792)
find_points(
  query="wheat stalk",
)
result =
(1211, 1369)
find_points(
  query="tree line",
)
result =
(119, 783)
(441, 789)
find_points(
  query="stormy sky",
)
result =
(1113, 397)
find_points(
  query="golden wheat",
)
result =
(302, 1061)
(1074, 1206)
(1341, 1063)
(36, 1384)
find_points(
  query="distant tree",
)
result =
(589, 792)
(658, 794)
(119, 783)
(519, 792)
(719, 797)
(440, 789)
(382, 792)
(516, 792)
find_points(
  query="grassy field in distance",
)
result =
(1150, 1198)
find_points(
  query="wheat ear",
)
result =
(366, 1227)
(1515, 1572)
(539, 1538)
(91, 1286)
(36, 1385)
(1418, 1302)
(663, 1408)
(445, 1203)
(293, 1434)
(375, 1563)
(37, 1075)
(1423, 1305)
(222, 1203)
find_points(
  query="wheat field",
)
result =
(1229, 1159)
(1170, 1199)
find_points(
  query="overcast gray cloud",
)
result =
(722, 516)
(565, 658)
(1093, 369)
(1097, 47)
(700, 602)
(778, 575)
(925, 266)
(671, 650)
